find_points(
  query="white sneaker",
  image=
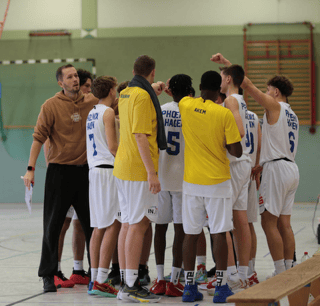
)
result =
(119, 294)
(245, 284)
(234, 282)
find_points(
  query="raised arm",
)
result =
(267, 102)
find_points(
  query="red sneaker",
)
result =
(80, 277)
(174, 290)
(253, 279)
(61, 281)
(211, 287)
(159, 287)
(104, 289)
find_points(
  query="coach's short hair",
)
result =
(211, 80)
(283, 84)
(101, 86)
(84, 75)
(144, 65)
(236, 72)
(122, 86)
(59, 73)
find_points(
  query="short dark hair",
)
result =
(84, 75)
(236, 72)
(144, 65)
(59, 73)
(192, 92)
(180, 85)
(122, 86)
(211, 80)
(101, 86)
(283, 84)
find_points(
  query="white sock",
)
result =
(251, 269)
(123, 275)
(160, 272)
(182, 266)
(280, 266)
(94, 274)
(131, 276)
(59, 266)
(232, 270)
(238, 264)
(175, 273)
(254, 264)
(102, 275)
(78, 265)
(189, 277)
(243, 272)
(201, 260)
(288, 263)
(221, 277)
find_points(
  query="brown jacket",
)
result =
(64, 122)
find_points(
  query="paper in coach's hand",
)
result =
(28, 196)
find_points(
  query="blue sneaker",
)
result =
(191, 293)
(90, 291)
(221, 293)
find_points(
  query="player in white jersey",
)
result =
(280, 173)
(240, 169)
(253, 141)
(171, 167)
(103, 195)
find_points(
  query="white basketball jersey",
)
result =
(244, 141)
(252, 136)
(280, 140)
(171, 160)
(97, 148)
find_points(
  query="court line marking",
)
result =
(26, 299)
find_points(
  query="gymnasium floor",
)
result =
(20, 247)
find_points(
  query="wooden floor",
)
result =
(20, 248)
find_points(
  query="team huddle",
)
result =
(196, 161)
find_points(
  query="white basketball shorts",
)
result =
(169, 207)
(240, 176)
(136, 201)
(103, 198)
(280, 180)
(196, 208)
(252, 211)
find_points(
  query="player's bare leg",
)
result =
(269, 224)
(287, 235)
(78, 241)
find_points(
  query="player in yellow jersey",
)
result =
(209, 130)
(136, 166)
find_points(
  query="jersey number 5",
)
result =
(175, 150)
(91, 137)
(291, 135)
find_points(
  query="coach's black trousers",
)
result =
(65, 185)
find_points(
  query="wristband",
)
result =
(29, 168)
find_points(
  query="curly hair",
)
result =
(180, 85)
(283, 84)
(101, 86)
